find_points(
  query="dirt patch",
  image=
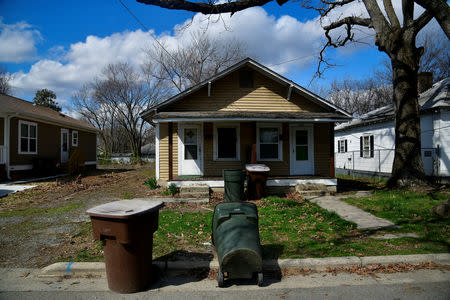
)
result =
(48, 223)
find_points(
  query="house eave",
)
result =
(175, 120)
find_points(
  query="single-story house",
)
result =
(246, 113)
(38, 140)
(365, 146)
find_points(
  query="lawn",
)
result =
(48, 223)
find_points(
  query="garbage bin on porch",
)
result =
(126, 229)
(257, 178)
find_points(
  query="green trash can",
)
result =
(235, 237)
(234, 185)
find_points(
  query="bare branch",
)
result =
(440, 10)
(210, 7)
(421, 21)
(408, 12)
(391, 13)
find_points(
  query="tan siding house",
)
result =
(245, 114)
(39, 141)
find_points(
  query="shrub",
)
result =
(152, 183)
(171, 190)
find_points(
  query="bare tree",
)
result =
(128, 93)
(360, 96)
(101, 116)
(435, 58)
(190, 64)
(397, 40)
(5, 78)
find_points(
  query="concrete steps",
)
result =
(308, 190)
(199, 191)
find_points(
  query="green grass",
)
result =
(411, 211)
(39, 211)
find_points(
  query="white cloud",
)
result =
(17, 42)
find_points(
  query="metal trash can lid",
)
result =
(257, 168)
(124, 209)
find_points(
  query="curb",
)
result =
(79, 269)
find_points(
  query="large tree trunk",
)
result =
(408, 168)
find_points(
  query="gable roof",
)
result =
(260, 68)
(21, 108)
(437, 96)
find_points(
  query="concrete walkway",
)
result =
(364, 220)
(6, 189)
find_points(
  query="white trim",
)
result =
(21, 167)
(288, 97)
(292, 154)
(75, 144)
(181, 127)
(238, 142)
(326, 120)
(157, 151)
(90, 163)
(271, 182)
(280, 141)
(209, 88)
(19, 138)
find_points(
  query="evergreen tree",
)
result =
(46, 98)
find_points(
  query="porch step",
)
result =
(306, 190)
(200, 191)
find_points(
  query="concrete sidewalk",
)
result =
(363, 220)
(80, 269)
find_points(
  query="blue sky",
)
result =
(62, 44)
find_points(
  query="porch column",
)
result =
(170, 151)
(331, 138)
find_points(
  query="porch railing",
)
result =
(382, 160)
(2, 154)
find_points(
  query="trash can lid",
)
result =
(257, 168)
(124, 209)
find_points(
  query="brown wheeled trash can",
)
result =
(126, 229)
(257, 178)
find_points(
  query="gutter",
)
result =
(246, 119)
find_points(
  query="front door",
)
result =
(301, 150)
(190, 150)
(64, 145)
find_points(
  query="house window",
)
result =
(366, 146)
(342, 146)
(27, 137)
(269, 142)
(226, 142)
(246, 79)
(75, 138)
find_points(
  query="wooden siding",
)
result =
(163, 151)
(322, 148)
(88, 142)
(266, 96)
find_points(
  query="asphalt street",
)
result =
(419, 284)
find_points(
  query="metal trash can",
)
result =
(234, 185)
(257, 179)
(126, 229)
(235, 236)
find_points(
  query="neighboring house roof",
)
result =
(258, 67)
(21, 108)
(437, 96)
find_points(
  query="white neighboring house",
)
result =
(365, 146)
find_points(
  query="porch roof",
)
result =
(215, 116)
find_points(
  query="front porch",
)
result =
(275, 184)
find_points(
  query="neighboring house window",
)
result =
(342, 146)
(75, 138)
(246, 79)
(226, 142)
(269, 142)
(366, 146)
(27, 137)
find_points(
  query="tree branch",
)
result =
(391, 13)
(210, 7)
(408, 12)
(421, 21)
(440, 10)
